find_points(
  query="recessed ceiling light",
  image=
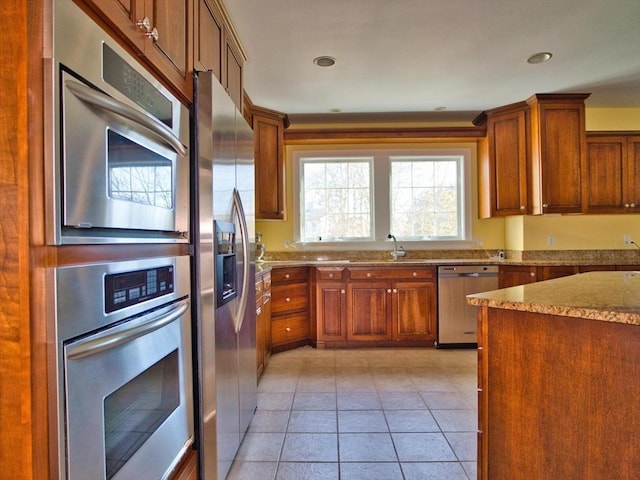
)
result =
(440, 109)
(324, 61)
(539, 57)
(335, 110)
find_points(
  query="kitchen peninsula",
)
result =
(559, 363)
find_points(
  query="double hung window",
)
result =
(362, 196)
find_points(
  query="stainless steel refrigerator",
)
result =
(224, 279)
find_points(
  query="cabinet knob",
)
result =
(287, 329)
(626, 205)
(342, 291)
(533, 274)
(368, 274)
(522, 207)
(144, 24)
(415, 274)
(289, 299)
(388, 290)
(153, 34)
(286, 275)
(331, 275)
(545, 205)
(395, 290)
(632, 205)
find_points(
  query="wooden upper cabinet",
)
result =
(558, 154)
(208, 38)
(613, 173)
(268, 131)
(503, 160)
(159, 30)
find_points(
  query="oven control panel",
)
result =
(130, 288)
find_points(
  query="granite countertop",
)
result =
(605, 296)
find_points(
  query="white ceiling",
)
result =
(409, 57)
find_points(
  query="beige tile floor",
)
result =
(363, 414)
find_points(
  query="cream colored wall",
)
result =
(513, 233)
(612, 119)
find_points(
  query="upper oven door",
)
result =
(119, 164)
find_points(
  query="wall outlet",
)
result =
(551, 241)
(626, 239)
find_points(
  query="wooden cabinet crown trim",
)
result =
(231, 30)
(396, 134)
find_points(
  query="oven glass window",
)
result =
(136, 410)
(137, 174)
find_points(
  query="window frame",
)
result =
(381, 188)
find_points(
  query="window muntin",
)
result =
(336, 199)
(426, 195)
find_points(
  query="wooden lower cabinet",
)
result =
(290, 301)
(380, 306)
(512, 275)
(413, 305)
(369, 311)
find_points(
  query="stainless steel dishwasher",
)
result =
(457, 321)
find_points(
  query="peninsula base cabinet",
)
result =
(558, 397)
(376, 307)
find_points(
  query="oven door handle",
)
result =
(244, 233)
(101, 100)
(107, 340)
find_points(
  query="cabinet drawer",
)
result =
(289, 298)
(402, 273)
(330, 273)
(293, 274)
(289, 329)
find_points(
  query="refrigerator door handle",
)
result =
(244, 234)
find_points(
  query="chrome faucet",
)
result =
(396, 253)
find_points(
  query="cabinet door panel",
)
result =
(414, 311)
(208, 39)
(269, 138)
(633, 173)
(368, 311)
(509, 149)
(606, 170)
(331, 312)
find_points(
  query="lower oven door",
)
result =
(128, 398)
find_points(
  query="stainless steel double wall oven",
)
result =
(119, 332)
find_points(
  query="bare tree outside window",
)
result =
(336, 199)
